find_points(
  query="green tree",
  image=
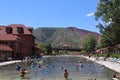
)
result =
(89, 43)
(43, 46)
(49, 49)
(111, 36)
(109, 12)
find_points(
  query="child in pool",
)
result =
(22, 72)
(65, 74)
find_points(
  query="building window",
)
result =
(12, 46)
(12, 43)
(20, 30)
(9, 30)
(4, 42)
(30, 30)
(0, 42)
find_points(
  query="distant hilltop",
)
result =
(57, 37)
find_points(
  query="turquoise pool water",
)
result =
(52, 68)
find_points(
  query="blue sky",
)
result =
(50, 13)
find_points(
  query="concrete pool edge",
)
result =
(9, 62)
(108, 64)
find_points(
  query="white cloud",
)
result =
(90, 14)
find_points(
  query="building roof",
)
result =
(5, 48)
(14, 35)
(8, 37)
(14, 29)
(2, 30)
(15, 26)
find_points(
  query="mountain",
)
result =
(58, 37)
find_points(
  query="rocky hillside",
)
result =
(58, 37)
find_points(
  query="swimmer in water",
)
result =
(81, 64)
(66, 74)
(17, 67)
(62, 68)
(114, 77)
(38, 64)
(22, 72)
(32, 66)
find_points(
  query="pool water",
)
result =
(52, 68)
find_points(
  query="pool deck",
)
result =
(115, 66)
(9, 62)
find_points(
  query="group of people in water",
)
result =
(38, 64)
(23, 71)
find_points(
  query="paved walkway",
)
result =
(109, 64)
(9, 62)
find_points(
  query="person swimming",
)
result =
(114, 77)
(32, 66)
(22, 72)
(17, 67)
(66, 74)
(38, 64)
(53, 66)
(61, 67)
(81, 64)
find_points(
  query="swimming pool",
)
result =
(53, 67)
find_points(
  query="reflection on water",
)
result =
(52, 68)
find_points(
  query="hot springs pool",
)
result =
(52, 68)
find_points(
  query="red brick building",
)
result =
(16, 41)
